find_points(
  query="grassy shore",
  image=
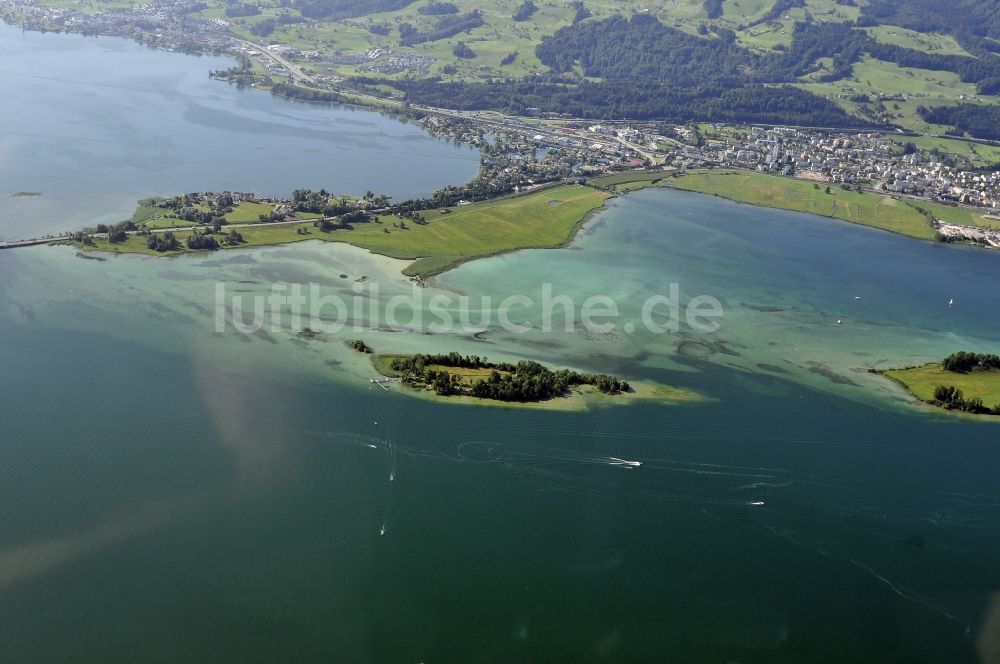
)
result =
(922, 381)
(451, 236)
(906, 217)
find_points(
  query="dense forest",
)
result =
(339, 9)
(446, 26)
(650, 70)
(625, 100)
(438, 9)
(971, 22)
(524, 381)
(525, 11)
(242, 9)
(979, 121)
(713, 8)
(608, 49)
(964, 362)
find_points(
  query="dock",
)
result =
(13, 244)
(383, 382)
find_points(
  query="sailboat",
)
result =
(951, 302)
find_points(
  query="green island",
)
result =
(26, 194)
(474, 379)
(963, 382)
(435, 240)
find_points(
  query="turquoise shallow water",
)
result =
(180, 494)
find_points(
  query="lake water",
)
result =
(172, 493)
(94, 124)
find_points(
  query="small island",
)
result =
(474, 379)
(963, 382)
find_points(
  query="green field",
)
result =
(500, 35)
(883, 212)
(451, 236)
(901, 90)
(922, 381)
(248, 212)
(980, 154)
(908, 87)
(919, 41)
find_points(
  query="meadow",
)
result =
(884, 212)
(450, 236)
(922, 381)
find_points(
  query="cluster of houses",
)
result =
(385, 61)
(165, 24)
(533, 153)
(870, 159)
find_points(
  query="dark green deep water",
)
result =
(162, 500)
(183, 509)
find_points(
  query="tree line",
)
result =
(340, 9)
(524, 381)
(952, 398)
(444, 27)
(981, 121)
(641, 69)
(964, 362)
(437, 8)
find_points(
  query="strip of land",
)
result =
(905, 216)
(446, 238)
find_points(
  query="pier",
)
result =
(383, 382)
(12, 244)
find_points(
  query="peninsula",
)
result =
(435, 239)
(963, 382)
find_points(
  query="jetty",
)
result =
(383, 382)
(13, 244)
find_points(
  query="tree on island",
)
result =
(524, 381)
(165, 242)
(202, 240)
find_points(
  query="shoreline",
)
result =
(514, 209)
(644, 180)
(917, 389)
(578, 398)
(670, 182)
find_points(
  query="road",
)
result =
(13, 244)
(296, 73)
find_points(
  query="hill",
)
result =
(809, 62)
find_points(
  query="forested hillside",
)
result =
(645, 69)
(338, 9)
(810, 62)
